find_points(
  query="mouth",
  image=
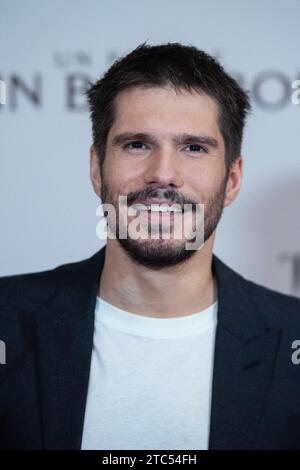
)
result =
(162, 213)
(157, 207)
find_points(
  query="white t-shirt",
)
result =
(150, 381)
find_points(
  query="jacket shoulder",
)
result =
(279, 309)
(29, 290)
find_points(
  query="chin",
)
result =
(156, 253)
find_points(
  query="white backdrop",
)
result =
(47, 51)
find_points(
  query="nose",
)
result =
(163, 168)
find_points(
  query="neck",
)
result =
(168, 292)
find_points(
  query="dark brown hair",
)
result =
(180, 66)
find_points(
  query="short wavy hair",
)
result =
(177, 65)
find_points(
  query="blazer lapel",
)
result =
(65, 329)
(245, 352)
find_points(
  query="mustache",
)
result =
(165, 194)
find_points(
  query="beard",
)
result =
(162, 253)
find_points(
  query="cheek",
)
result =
(124, 177)
(204, 184)
(120, 182)
(201, 180)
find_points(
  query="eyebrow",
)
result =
(185, 138)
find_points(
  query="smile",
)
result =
(156, 208)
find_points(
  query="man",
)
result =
(150, 344)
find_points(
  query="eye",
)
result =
(135, 145)
(197, 148)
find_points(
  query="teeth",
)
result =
(156, 208)
(139, 207)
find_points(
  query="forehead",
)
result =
(163, 108)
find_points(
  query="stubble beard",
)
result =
(161, 253)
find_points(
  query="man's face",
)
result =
(164, 147)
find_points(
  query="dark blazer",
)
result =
(47, 322)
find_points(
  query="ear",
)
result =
(95, 171)
(234, 181)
